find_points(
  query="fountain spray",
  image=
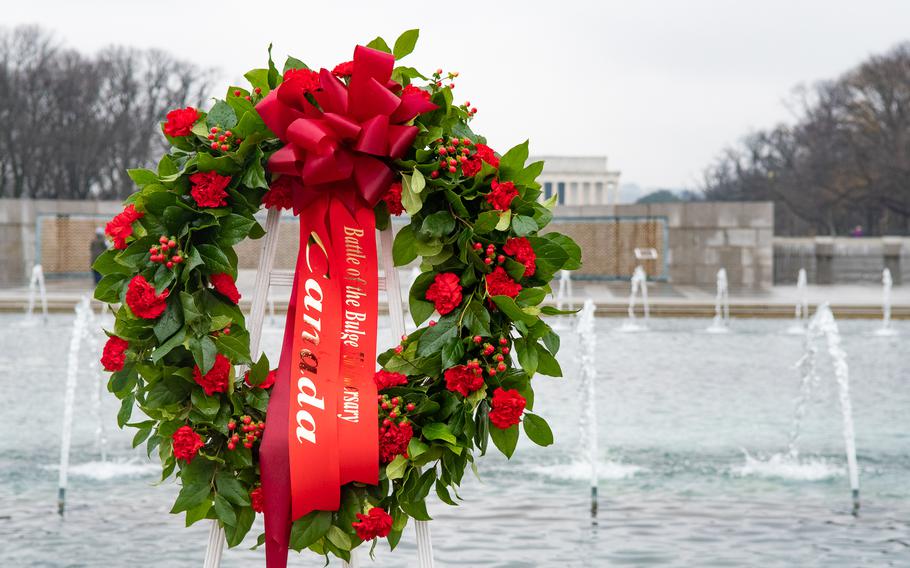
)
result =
(588, 420)
(639, 285)
(823, 325)
(36, 286)
(84, 316)
(564, 291)
(721, 305)
(887, 282)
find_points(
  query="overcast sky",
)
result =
(660, 87)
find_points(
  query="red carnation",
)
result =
(180, 121)
(499, 283)
(121, 226)
(483, 153)
(445, 292)
(386, 379)
(412, 90)
(186, 443)
(502, 195)
(113, 357)
(463, 380)
(520, 249)
(266, 383)
(376, 523)
(208, 189)
(345, 69)
(279, 195)
(303, 79)
(224, 285)
(507, 408)
(257, 499)
(393, 199)
(216, 380)
(393, 441)
(142, 300)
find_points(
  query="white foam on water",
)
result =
(581, 471)
(103, 471)
(631, 327)
(782, 466)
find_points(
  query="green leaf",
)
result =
(126, 410)
(435, 337)
(191, 495)
(204, 352)
(411, 186)
(438, 224)
(570, 247)
(231, 489)
(308, 529)
(486, 222)
(259, 371)
(207, 405)
(191, 311)
(522, 225)
(505, 440)
(395, 469)
(537, 429)
(339, 538)
(405, 43)
(236, 533)
(452, 352)
(477, 319)
(221, 115)
(443, 493)
(513, 161)
(170, 321)
(293, 63)
(504, 218)
(527, 355)
(224, 511)
(548, 365)
(110, 287)
(379, 44)
(235, 347)
(404, 249)
(215, 260)
(142, 177)
(234, 228)
(438, 431)
(511, 309)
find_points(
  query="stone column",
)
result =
(891, 251)
(824, 260)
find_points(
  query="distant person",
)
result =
(99, 245)
(857, 231)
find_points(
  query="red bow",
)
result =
(353, 126)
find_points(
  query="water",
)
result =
(564, 299)
(801, 308)
(687, 423)
(36, 287)
(887, 282)
(639, 286)
(587, 422)
(721, 322)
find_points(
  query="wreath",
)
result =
(462, 379)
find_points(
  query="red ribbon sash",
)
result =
(322, 422)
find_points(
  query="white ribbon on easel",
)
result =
(264, 277)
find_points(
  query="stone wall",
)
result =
(841, 260)
(693, 240)
(701, 238)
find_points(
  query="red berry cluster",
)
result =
(252, 432)
(225, 331)
(391, 410)
(471, 111)
(163, 253)
(438, 79)
(400, 347)
(451, 153)
(491, 254)
(494, 357)
(223, 140)
(257, 91)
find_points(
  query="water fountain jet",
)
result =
(36, 286)
(587, 337)
(887, 282)
(801, 308)
(639, 285)
(84, 317)
(721, 321)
